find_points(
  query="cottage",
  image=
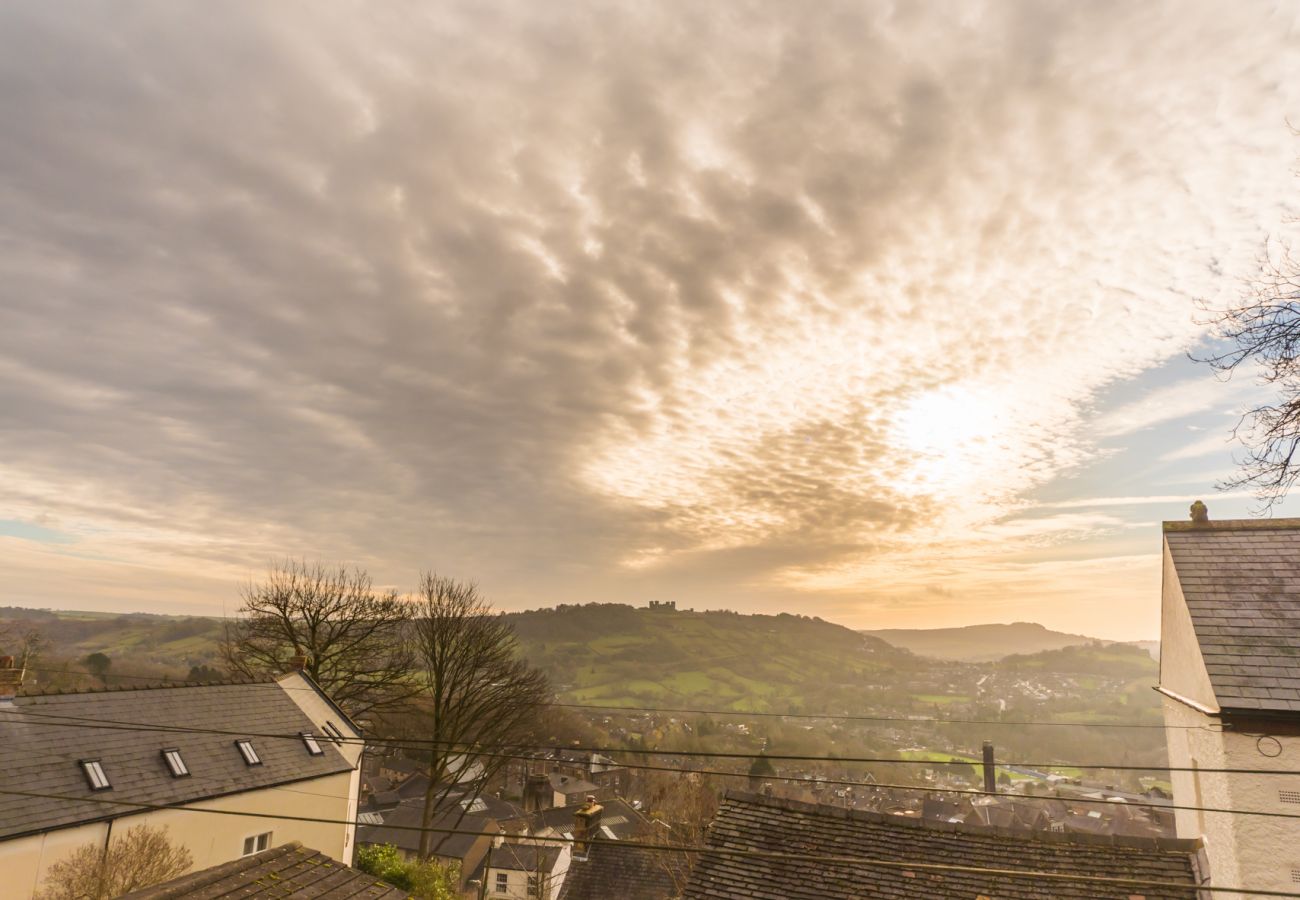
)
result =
(1230, 676)
(911, 856)
(86, 764)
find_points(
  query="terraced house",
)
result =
(229, 769)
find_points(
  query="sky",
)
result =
(873, 311)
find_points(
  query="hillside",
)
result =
(608, 653)
(978, 643)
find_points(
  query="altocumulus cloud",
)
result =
(598, 299)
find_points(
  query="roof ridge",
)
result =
(1232, 525)
(1180, 845)
(128, 688)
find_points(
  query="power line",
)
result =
(701, 850)
(804, 779)
(470, 747)
(839, 717)
(864, 717)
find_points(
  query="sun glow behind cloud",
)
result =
(801, 307)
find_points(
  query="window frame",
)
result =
(248, 752)
(313, 745)
(172, 764)
(93, 769)
(263, 838)
(503, 883)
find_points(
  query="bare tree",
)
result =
(139, 858)
(1264, 331)
(23, 642)
(478, 694)
(686, 807)
(355, 638)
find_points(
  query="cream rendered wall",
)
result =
(211, 838)
(1182, 668)
(314, 706)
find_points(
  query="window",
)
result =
(95, 775)
(175, 764)
(249, 754)
(333, 731)
(534, 886)
(257, 843)
(503, 882)
(312, 747)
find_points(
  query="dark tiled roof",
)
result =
(748, 822)
(284, 873)
(525, 857)
(617, 815)
(567, 784)
(1241, 581)
(43, 738)
(615, 870)
(399, 820)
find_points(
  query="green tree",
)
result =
(425, 881)
(98, 664)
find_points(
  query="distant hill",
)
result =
(621, 655)
(978, 643)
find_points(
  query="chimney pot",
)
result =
(11, 679)
(585, 825)
(1200, 513)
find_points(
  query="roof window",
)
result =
(312, 746)
(333, 731)
(175, 765)
(95, 775)
(250, 755)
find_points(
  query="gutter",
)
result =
(1187, 701)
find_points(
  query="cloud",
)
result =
(1175, 401)
(572, 299)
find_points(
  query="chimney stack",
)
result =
(1200, 513)
(299, 662)
(990, 777)
(586, 824)
(11, 679)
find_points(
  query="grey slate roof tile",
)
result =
(43, 738)
(290, 872)
(1241, 583)
(747, 822)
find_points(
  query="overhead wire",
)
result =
(705, 850)
(422, 743)
(842, 717)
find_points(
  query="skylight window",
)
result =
(95, 775)
(249, 754)
(312, 746)
(175, 764)
(333, 731)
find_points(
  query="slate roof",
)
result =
(619, 816)
(748, 822)
(283, 873)
(398, 821)
(615, 870)
(525, 857)
(44, 736)
(567, 784)
(1241, 582)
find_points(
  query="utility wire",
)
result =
(840, 717)
(1031, 799)
(707, 850)
(470, 747)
